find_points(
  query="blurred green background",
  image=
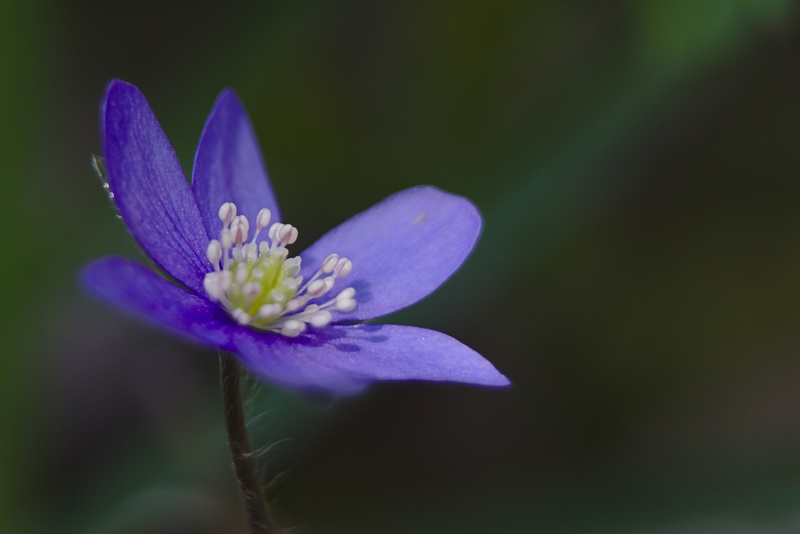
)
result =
(637, 167)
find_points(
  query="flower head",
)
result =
(292, 319)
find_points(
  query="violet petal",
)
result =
(135, 288)
(228, 166)
(346, 357)
(402, 248)
(150, 188)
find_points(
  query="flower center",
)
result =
(260, 285)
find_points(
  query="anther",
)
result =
(293, 328)
(241, 316)
(320, 319)
(345, 305)
(273, 232)
(225, 280)
(294, 305)
(239, 234)
(262, 220)
(252, 289)
(269, 310)
(213, 287)
(241, 274)
(343, 268)
(348, 293)
(242, 221)
(227, 212)
(315, 288)
(287, 234)
(214, 253)
(277, 296)
(292, 237)
(330, 263)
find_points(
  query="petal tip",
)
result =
(228, 101)
(117, 89)
(498, 381)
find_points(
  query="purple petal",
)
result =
(402, 248)
(228, 166)
(346, 357)
(137, 289)
(149, 186)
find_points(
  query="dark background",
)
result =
(636, 164)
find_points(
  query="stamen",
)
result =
(346, 293)
(227, 212)
(241, 316)
(343, 268)
(315, 288)
(226, 239)
(241, 220)
(293, 328)
(330, 263)
(262, 220)
(214, 253)
(320, 319)
(241, 274)
(269, 310)
(239, 232)
(258, 283)
(345, 305)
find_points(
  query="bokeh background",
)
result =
(636, 163)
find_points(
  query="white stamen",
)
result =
(269, 310)
(241, 274)
(258, 283)
(290, 283)
(328, 284)
(345, 305)
(225, 280)
(292, 266)
(320, 319)
(252, 289)
(343, 268)
(227, 212)
(262, 220)
(277, 296)
(294, 305)
(292, 237)
(212, 286)
(239, 233)
(346, 293)
(240, 316)
(226, 239)
(293, 328)
(330, 263)
(273, 232)
(315, 288)
(214, 253)
(242, 221)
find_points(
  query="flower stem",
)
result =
(241, 456)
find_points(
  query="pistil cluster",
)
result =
(261, 286)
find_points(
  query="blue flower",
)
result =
(295, 321)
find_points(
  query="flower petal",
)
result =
(135, 288)
(402, 248)
(228, 166)
(347, 357)
(150, 188)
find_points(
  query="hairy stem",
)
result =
(241, 456)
